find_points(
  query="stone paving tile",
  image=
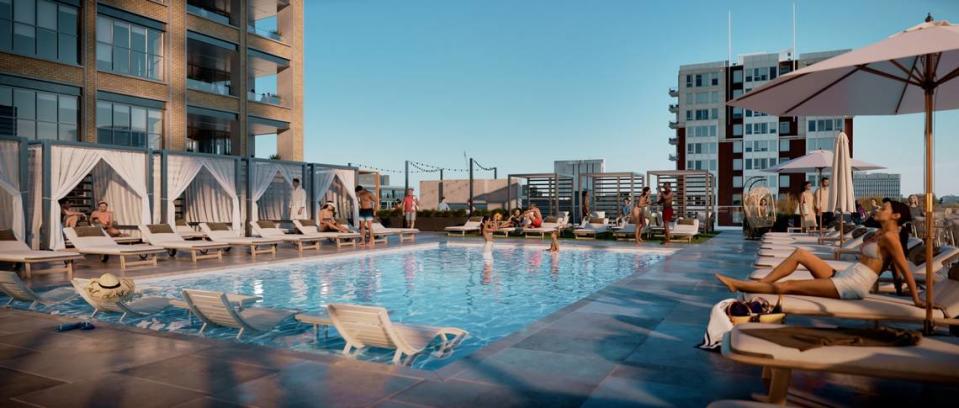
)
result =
(13, 383)
(620, 392)
(456, 394)
(200, 374)
(208, 402)
(539, 370)
(613, 347)
(319, 385)
(7, 351)
(111, 391)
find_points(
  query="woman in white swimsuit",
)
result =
(853, 282)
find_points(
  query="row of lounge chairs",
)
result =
(588, 230)
(361, 326)
(474, 225)
(162, 238)
(934, 358)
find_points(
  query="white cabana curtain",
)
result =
(276, 204)
(69, 165)
(209, 189)
(11, 203)
(322, 180)
(157, 189)
(348, 179)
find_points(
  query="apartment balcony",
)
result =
(672, 157)
(673, 141)
(673, 108)
(673, 93)
(673, 124)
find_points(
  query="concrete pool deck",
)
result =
(629, 344)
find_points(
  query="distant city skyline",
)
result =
(518, 85)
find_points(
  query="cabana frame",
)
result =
(608, 191)
(692, 191)
(46, 147)
(23, 160)
(558, 187)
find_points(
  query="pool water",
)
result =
(488, 291)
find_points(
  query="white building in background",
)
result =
(876, 185)
(736, 144)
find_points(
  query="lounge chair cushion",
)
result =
(218, 226)
(933, 357)
(160, 229)
(7, 235)
(266, 224)
(917, 255)
(83, 232)
(873, 307)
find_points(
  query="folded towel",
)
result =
(807, 338)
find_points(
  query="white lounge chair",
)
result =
(187, 232)
(141, 306)
(162, 235)
(370, 326)
(14, 251)
(216, 308)
(341, 239)
(933, 359)
(12, 286)
(550, 225)
(405, 234)
(220, 232)
(96, 241)
(268, 229)
(684, 228)
(471, 225)
(591, 228)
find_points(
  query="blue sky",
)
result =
(518, 84)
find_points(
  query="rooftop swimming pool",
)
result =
(489, 291)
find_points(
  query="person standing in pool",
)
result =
(368, 206)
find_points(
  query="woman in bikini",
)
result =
(854, 282)
(328, 220)
(639, 213)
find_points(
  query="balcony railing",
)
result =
(673, 141)
(673, 108)
(673, 124)
(265, 97)
(673, 93)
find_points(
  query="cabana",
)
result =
(198, 188)
(14, 179)
(693, 192)
(271, 183)
(608, 191)
(551, 192)
(336, 184)
(120, 176)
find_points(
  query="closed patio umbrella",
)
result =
(841, 197)
(912, 71)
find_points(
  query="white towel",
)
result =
(718, 325)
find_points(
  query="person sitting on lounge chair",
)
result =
(70, 216)
(853, 282)
(103, 218)
(328, 220)
(534, 218)
(516, 220)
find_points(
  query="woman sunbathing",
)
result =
(328, 220)
(878, 250)
(103, 218)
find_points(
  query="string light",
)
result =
(421, 168)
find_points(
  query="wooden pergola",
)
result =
(608, 191)
(552, 192)
(693, 192)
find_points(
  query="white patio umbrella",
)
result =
(841, 196)
(817, 161)
(910, 72)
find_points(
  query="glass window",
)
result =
(699, 80)
(25, 100)
(39, 29)
(737, 147)
(104, 122)
(737, 164)
(129, 125)
(784, 145)
(46, 107)
(689, 81)
(737, 77)
(749, 164)
(737, 181)
(737, 130)
(749, 128)
(783, 181)
(828, 124)
(714, 79)
(812, 125)
(127, 48)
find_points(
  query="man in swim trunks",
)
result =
(103, 218)
(410, 205)
(369, 203)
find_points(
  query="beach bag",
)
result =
(755, 310)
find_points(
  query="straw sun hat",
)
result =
(109, 287)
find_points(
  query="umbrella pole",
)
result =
(930, 222)
(820, 226)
